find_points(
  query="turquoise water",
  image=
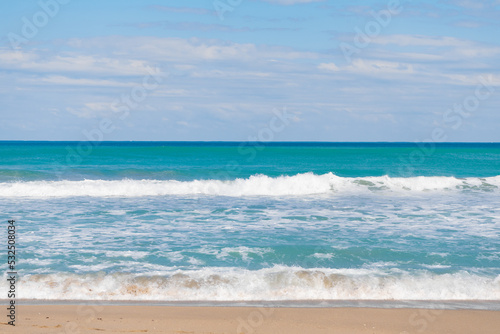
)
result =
(247, 221)
(190, 161)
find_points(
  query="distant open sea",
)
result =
(245, 222)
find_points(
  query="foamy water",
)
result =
(273, 284)
(298, 223)
(257, 185)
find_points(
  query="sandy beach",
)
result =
(219, 320)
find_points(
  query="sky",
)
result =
(237, 70)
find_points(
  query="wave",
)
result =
(256, 185)
(271, 284)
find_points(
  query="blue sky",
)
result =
(224, 69)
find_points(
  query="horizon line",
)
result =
(251, 141)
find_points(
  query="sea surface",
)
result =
(245, 222)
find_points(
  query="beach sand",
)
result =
(237, 320)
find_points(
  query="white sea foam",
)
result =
(277, 283)
(242, 251)
(133, 254)
(323, 255)
(297, 185)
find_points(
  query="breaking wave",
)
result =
(256, 185)
(273, 284)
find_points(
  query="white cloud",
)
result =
(62, 80)
(9, 57)
(229, 74)
(92, 110)
(39, 61)
(473, 80)
(328, 67)
(419, 40)
(101, 109)
(459, 47)
(186, 50)
(379, 67)
(469, 4)
(410, 72)
(170, 92)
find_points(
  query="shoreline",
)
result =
(92, 318)
(485, 305)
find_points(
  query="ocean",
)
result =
(212, 222)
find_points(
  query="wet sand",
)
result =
(242, 320)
